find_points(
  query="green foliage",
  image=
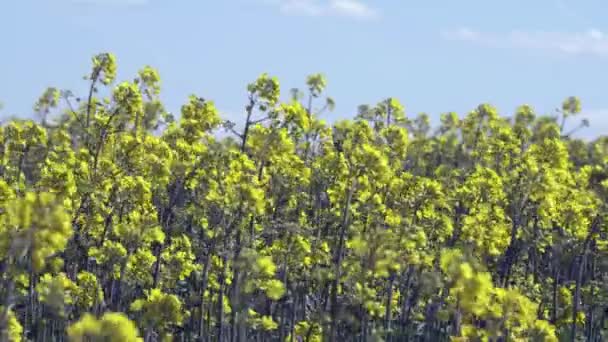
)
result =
(265, 91)
(572, 105)
(116, 218)
(41, 234)
(14, 330)
(198, 117)
(104, 68)
(110, 327)
(505, 313)
(159, 311)
(88, 293)
(56, 292)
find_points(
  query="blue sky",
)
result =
(435, 56)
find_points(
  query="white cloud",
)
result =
(592, 42)
(347, 8)
(352, 8)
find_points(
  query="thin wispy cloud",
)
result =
(347, 8)
(591, 42)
